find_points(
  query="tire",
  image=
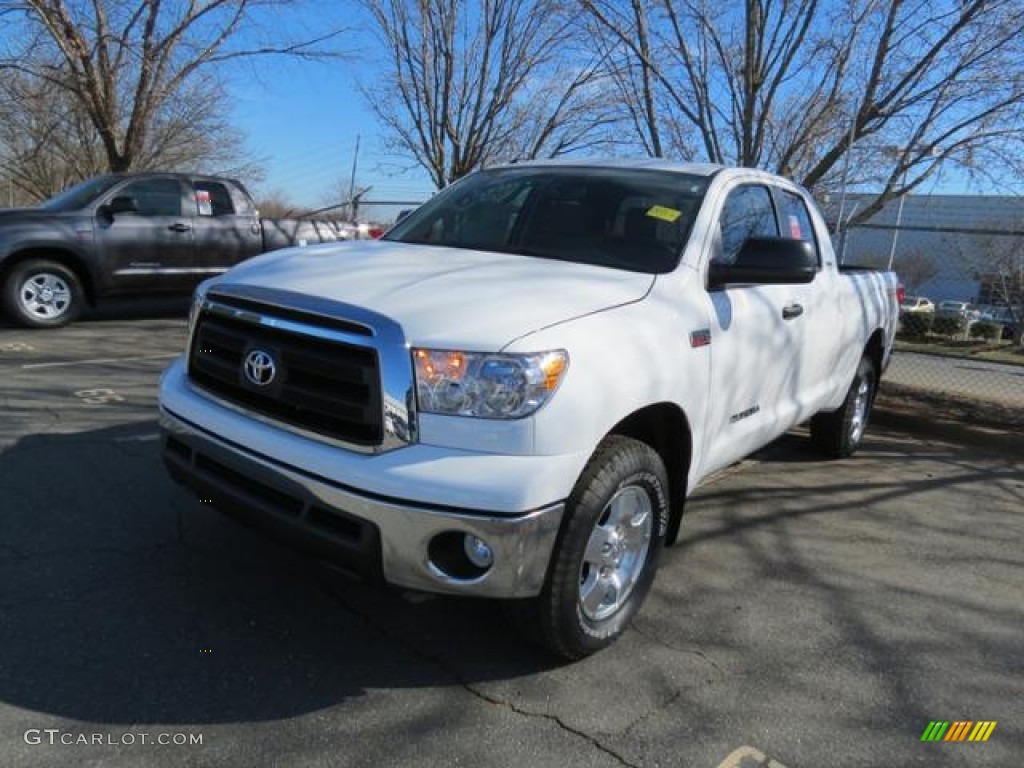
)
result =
(606, 555)
(839, 433)
(42, 294)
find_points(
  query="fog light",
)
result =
(478, 551)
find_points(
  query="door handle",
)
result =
(793, 310)
(179, 227)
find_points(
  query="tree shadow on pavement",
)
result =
(124, 600)
(863, 598)
(822, 611)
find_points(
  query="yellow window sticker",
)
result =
(665, 214)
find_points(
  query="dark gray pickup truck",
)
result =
(131, 234)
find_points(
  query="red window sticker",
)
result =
(794, 228)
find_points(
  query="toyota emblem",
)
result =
(259, 368)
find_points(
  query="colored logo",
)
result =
(259, 368)
(958, 730)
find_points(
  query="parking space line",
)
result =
(748, 757)
(98, 360)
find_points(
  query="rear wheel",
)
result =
(42, 294)
(839, 433)
(606, 555)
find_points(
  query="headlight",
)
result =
(489, 386)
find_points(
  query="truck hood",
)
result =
(446, 296)
(20, 214)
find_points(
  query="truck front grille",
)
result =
(323, 386)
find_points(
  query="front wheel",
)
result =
(42, 294)
(607, 552)
(839, 433)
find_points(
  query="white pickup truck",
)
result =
(512, 394)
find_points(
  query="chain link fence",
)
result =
(961, 261)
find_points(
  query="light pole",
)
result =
(933, 152)
(843, 226)
(842, 244)
(899, 220)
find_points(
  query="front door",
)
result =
(756, 340)
(152, 247)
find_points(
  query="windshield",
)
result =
(630, 219)
(77, 197)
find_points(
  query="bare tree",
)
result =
(634, 79)
(996, 261)
(466, 84)
(834, 94)
(275, 205)
(48, 142)
(142, 82)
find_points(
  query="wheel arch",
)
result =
(65, 258)
(874, 350)
(665, 428)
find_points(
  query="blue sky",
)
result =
(302, 119)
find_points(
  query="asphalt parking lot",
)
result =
(821, 613)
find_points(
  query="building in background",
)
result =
(962, 247)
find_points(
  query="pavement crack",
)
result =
(652, 712)
(483, 696)
(638, 628)
(440, 663)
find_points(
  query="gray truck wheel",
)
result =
(42, 294)
(607, 552)
(839, 433)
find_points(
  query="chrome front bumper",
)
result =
(376, 537)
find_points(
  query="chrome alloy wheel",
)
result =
(858, 420)
(45, 295)
(616, 553)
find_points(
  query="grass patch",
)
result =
(969, 349)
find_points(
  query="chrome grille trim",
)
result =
(384, 336)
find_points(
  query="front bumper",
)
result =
(378, 538)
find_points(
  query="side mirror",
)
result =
(767, 261)
(402, 214)
(121, 204)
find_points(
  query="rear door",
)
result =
(226, 226)
(756, 339)
(817, 326)
(151, 248)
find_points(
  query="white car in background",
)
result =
(917, 304)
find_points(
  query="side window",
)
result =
(796, 221)
(213, 199)
(240, 200)
(748, 212)
(154, 197)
